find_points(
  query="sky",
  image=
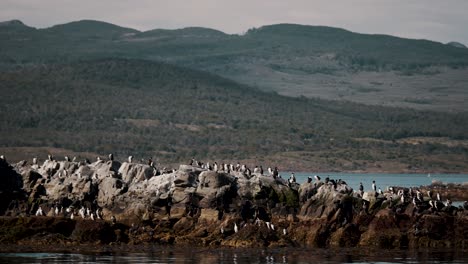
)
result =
(439, 20)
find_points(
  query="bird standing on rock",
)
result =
(98, 214)
(82, 212)
(292, 179)
(39, 212)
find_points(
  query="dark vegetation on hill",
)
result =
(171, 113)
(213, 50)
(94, 87)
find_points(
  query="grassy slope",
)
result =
(172, 113)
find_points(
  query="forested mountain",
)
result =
(153, 109)
(293, 60)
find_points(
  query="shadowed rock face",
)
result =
(10, 187)
(193, 205)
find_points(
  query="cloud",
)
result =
(429, 19)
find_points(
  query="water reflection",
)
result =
(237, 256)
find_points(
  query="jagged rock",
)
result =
(195, 206)
(185, 179)
(10, 187)
(106, 169)
(307, 190)
(73, 187)
(109, 188)
(323, 204)
(214, 189)
(30, 178)
(84, 172)
(49, 168)
(134, 172)
(11, 180)
(383, 231)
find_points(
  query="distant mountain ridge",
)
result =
(90, 28)
(290, 59)
(14, 22)
(456, 44)
(336, 39)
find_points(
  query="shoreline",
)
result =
(113, 203)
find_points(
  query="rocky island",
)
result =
(107, 202)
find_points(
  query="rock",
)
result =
(383, 232)
(109, 188)
(134, 172)
(208, 215)
(10, 187)
(193, 206)
(49, 168)
(30, 178)
(215, 190)
(106, 169)
(11, 180)
(93, 232)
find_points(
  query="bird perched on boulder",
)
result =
(39, 212)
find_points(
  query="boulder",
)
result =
(11, 186)
(105, 169)
(134, 172)
(109, 188)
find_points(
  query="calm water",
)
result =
(382, 180)
(174, 255)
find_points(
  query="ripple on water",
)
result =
(223, 255)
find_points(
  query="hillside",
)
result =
(293, 60)
(172, 114)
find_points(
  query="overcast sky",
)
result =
(439, 20)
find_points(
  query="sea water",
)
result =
(238, 256)
(382, 180)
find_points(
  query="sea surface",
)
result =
(382, 180)
(238, 256)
